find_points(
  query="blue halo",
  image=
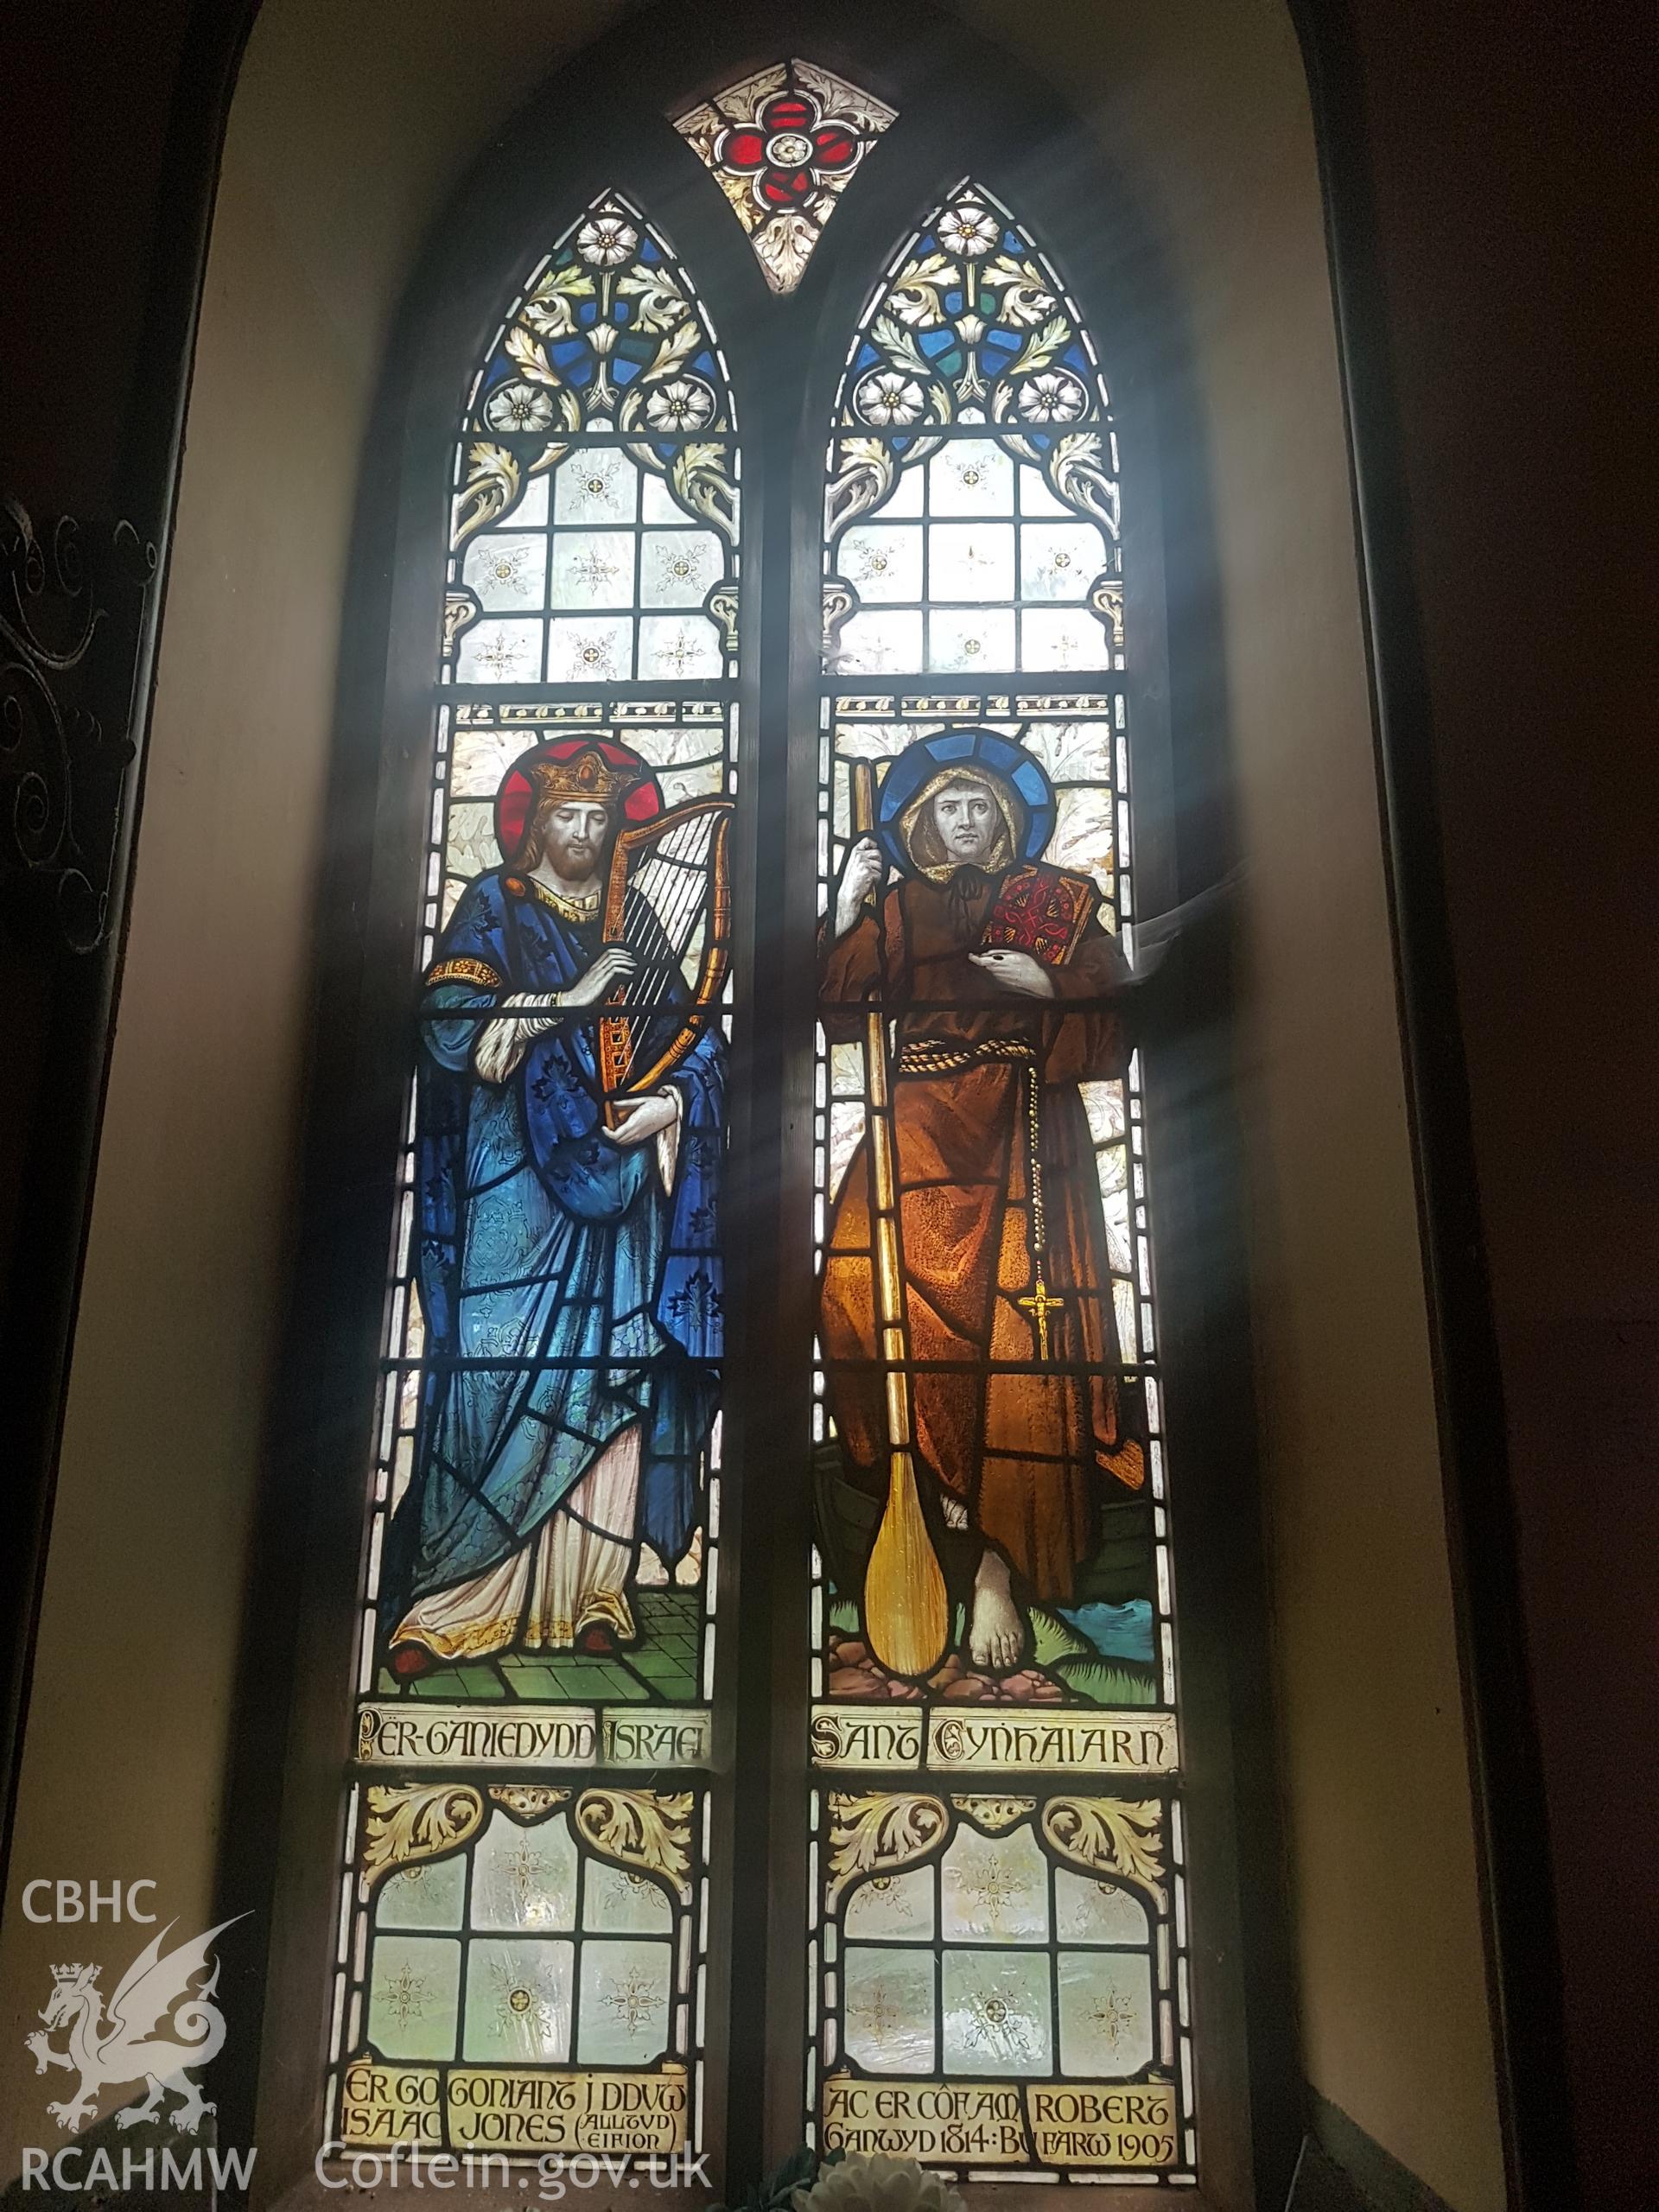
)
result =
(961, 747)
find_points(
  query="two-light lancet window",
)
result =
(994, 1904)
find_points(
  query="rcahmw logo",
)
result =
(159, 2027)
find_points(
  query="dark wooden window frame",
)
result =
(603, 124)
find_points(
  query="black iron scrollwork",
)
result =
(72, 627)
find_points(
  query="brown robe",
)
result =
(1022, 1452)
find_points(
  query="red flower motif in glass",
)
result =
(788, 150)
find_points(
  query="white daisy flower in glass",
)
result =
(519, 407)
(606, 241)
(686, 404)
(888, 398)
(1051, 396)
(968, 231)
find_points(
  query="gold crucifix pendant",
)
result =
(1039, 1305)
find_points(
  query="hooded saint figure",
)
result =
(1007, 994)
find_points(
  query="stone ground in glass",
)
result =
(665, 1664)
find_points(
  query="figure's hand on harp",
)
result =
(861, 874)
(640, 1119)
(613, 966)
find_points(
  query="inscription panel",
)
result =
(1131, 1741)
(514, 2109)
(1095, 2124)
(451, 1735)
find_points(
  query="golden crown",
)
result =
(587, 775)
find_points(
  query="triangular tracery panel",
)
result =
(783, 145)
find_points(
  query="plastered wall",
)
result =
(125, 1753)
(339, 138)
(1511, 149)
(343, 138)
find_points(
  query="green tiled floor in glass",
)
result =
(663, 1664)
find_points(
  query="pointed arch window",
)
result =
(583, 1854)
(522, 1917)
(999, 1937)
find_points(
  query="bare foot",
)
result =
(996, 1632)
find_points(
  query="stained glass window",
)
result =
(999, 1937)
(524, 1904)
(783, 145)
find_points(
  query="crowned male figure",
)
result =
(568, 1271)
(1007, 994)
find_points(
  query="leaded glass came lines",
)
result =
(783, 145)
(524, 1906)
(1004, 1981)
(526, 1969)
(992, 1601)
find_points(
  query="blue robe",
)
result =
(542, 1241)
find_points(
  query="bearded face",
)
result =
(966, 819)
(574, 833)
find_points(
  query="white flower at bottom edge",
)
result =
(878, 2184)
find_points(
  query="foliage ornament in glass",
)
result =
(972, 334)
(783, 145)
(608, 336)
(520, 1887)
(1001, 1969)
(972, 326)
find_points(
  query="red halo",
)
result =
(512, 801)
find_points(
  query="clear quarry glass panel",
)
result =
(999, 1977)
(526, 1970)
(523, 1895)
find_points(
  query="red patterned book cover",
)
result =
(1040, 910)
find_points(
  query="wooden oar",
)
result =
(906, 1612)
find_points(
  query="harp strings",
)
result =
(673, 882)
(671, 878)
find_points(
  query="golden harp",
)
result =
(668, 899)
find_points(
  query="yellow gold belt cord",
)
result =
(930, 1056)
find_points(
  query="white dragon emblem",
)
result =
(155, 1992)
